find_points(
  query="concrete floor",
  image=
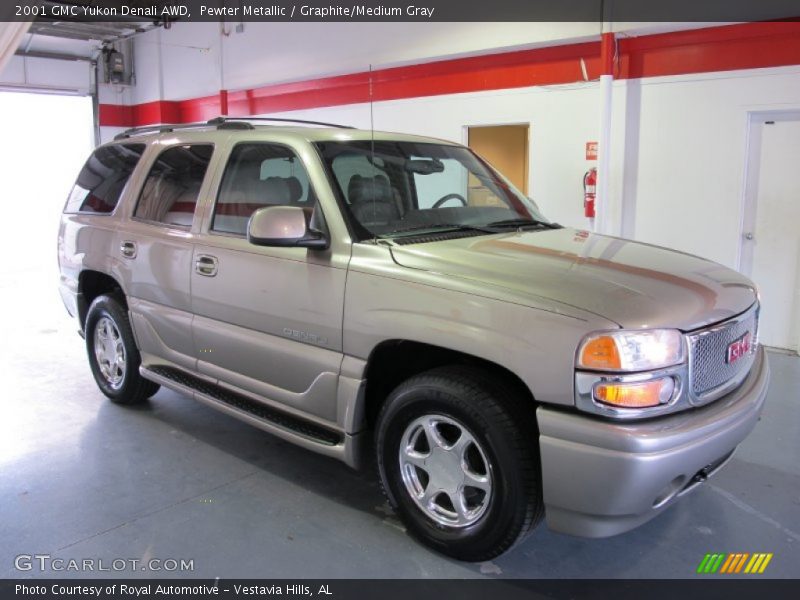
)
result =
(83, 478)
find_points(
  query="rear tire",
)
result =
(113, 355)
(457, 453)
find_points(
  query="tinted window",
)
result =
(259, 175)
(170, 191)
(398, 188)
(102, 179)
(349, 169)
(451, 179)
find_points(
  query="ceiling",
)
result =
(86, 31)
(74, 38)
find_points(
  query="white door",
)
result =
(776, 234)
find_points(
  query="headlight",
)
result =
(631, 350)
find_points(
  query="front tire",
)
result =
(457, 452)
(113, 355)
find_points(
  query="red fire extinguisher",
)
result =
(589, 191)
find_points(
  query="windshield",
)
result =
(393, 189)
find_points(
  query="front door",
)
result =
(267, 320)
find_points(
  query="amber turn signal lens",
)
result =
(601, 353)
(642, 394)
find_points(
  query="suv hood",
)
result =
(635, 285)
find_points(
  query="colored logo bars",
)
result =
(741, 562)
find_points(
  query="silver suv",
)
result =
(368, 294)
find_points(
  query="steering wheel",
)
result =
(447, 197)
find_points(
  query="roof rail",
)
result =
(164, 128)
(219, 123)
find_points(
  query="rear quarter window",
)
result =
(102, 179)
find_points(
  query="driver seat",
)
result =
(372, 201)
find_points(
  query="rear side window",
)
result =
(102, 179)
(170, 192)
(259, 175)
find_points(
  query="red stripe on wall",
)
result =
(726, 48)
(157, 112)
(115, 115)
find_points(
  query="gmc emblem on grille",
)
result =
(738, 348)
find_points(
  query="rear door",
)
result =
(155, 251)
(268, 320)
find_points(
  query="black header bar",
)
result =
(699, 588)
(399, 10)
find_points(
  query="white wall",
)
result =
(686, 177)
(199, 59)
(115, 94)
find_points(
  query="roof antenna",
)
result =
(371, 112)
(374, 181)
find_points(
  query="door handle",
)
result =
(128, 249)
(206, 265)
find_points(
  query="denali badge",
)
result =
(304, 336)
(738, 348)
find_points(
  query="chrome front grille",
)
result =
(710, 374)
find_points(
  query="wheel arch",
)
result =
(393, 361)
(91, 284)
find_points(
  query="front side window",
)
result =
(170, 192)
(391, 189)
(102, 179)
(259, 175)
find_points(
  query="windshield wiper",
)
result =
(450, 226)
(494, 227)
(524, 222)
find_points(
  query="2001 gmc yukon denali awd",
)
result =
(338, 287)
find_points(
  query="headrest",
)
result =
(369, 189)
(274, 190)
(295, 189)
(249, 170)
(354, 188)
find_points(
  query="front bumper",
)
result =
(602, 478)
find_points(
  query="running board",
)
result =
(265, 417)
